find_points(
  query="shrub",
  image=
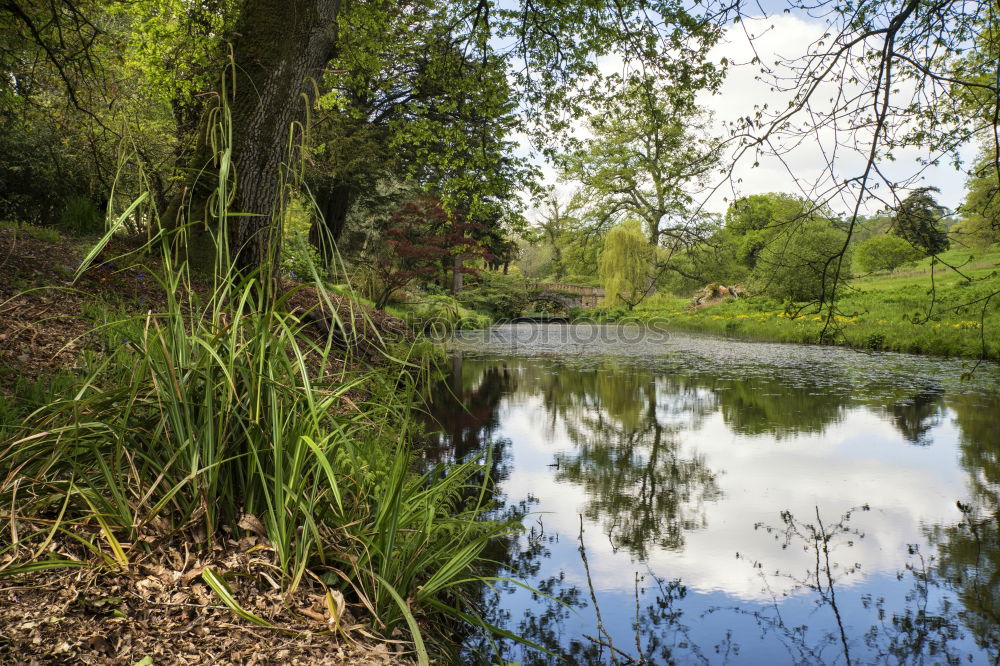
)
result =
(885, 253)
(299, 258)
(80, 216)
(223, 407)
(503, 296)
(45, 234)
(443, 313)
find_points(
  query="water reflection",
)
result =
(756, 508)
(779, 408)
(969, 551)
(918, 414)
(644, 491)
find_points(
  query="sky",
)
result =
(803, 168)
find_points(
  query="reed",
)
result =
(223, 406)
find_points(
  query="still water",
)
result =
(689, 499)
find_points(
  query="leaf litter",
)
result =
(158, 609)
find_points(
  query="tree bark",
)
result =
(456, 274)
(279, 46)
(334, 202)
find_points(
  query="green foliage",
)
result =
(410, 102)
(886, 311)
(884, 253)
(299, 258)
(535, 260)
(441, 313)
(754, 220)
(649, 149)
(45, 234)
(980, 225)
(502, 296)
(38, 171)
(556, 227)
(203, 414)
(589, 280)
(918, 219)
(800, 263)
(227, 404)
(714, 260)
(625, 265)
(80, 216)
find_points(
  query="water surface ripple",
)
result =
(691, 499)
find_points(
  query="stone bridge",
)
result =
(568, 296)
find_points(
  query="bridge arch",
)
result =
(553, 299)
(570, 296)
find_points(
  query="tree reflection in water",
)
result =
(628, 458)
(926, 629)
(646, 491)
(970, 551)
(914, 417)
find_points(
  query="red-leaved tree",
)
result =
(425, 241)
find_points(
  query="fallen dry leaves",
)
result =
(160, 610)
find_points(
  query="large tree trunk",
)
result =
(279, 46)
(333, 201)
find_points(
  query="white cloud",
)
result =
(860, 460)
(803, 169)
(781, 37)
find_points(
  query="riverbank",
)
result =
(921, 309)
(179, 457)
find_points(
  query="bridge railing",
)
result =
(580, 289)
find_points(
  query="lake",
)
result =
(690, 499)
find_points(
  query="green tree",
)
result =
(799, 264)
(980, 224)
(279, 47)
(648, 154)
(754, 220)
(918, 218)
(714, 260)
(624, 265)
(884, 253)
(556, 221)
(429, 75)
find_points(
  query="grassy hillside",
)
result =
(923, 308)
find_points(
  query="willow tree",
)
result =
(625, 266)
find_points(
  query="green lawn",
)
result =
(897, 311)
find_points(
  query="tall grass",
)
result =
(223, 411)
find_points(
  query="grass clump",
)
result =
(440, 313)
(80, 216)
(203, 415)
(45, 234)
(228, 411)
